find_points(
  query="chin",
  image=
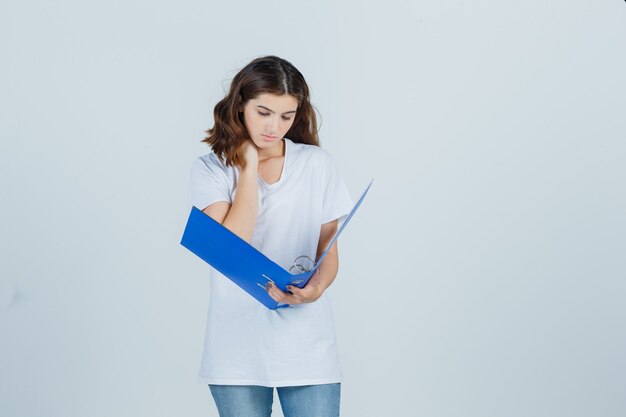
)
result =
(269, 141)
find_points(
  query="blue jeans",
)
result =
(256, 401)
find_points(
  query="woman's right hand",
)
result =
(248, 152)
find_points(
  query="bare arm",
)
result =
(330, 265)
(240, 218)
(321, 279)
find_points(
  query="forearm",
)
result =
(313, 290)
(241, 218)
(328, 269)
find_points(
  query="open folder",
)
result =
(241, 262)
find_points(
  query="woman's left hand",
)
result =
(309, 293)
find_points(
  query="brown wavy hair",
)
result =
(268, 74)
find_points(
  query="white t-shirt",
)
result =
(245, 342)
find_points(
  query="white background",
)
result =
(484, 275)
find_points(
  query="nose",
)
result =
(273, 125)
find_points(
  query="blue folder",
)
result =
(241, 262)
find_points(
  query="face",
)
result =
(268, 118)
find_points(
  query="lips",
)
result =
(269, 137)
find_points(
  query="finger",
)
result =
(273, 291)
(277, 297)
(277, 294)
(298, 293)
(273, 296)
(295, 297)
(285, 298)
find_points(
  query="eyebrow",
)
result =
(270, 110)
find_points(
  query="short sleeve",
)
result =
(208, 182)
(336, 201)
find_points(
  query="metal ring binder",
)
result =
(302, 265)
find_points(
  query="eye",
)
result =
(267, 114)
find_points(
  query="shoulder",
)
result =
(208, 162)
(311, 154)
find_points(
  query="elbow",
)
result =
(244, 233)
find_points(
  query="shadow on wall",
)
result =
(10, 295)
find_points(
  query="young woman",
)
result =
(268, 181)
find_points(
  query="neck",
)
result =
(273, 152)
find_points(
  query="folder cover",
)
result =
(241, 262)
